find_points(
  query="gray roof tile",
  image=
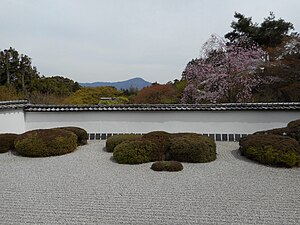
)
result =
(161, 107)
(17, 104)
(149, 107)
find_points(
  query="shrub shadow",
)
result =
(15, 153)
(237, 154)
(112, 159)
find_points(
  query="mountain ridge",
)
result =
(136, 82)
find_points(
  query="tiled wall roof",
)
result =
(162, 107)
(148, 107)
(17, 104)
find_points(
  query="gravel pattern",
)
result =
(88, 187)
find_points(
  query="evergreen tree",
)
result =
(268, 34)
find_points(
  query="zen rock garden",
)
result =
(277, 147)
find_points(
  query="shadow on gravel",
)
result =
(112, 159)
(15, 153)
(236, 154)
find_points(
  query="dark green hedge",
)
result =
(134, 151)
(162, 140)
(292, 130)
(295, 123)
(171, 166)
(271, 149)
(163, 146)
(82, 135)
(113, 141)
(7, 142)
(194, 148)
(45, 142)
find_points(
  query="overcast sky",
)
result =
(112, 40)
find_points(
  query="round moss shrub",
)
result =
(271, 149)
(160, 137)
(45, 142)
(194, 148)
(278, 131)
(82, 135)
(113, 141)
(134, 151)
(294, 129)
(7, 142)
(162, 140)
(295, 123)
(294, 133)
(172, 166)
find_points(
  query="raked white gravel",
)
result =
(87, 187)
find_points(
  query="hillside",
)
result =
(137, 83)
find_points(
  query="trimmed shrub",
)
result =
(194, 148)
(7, 142)
(292, 130)
(279, 131)
(134, 151)
(295, 123)
(46, 142)
(82, 135)
(177, 135)
(113, 141)
(172, 166)
(162, 141)
(162, 146)
(271, 149)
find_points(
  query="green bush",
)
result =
(294, 132)
(45, 142)
(193, 148)
(7, 142)
(167, 166)
(162, 146)
(294, 129)
(134, 151)
(271, 149)
(113, 141)
(177, 135)
(295, 123)
(279, 131)
(162, 141)
(82, 135)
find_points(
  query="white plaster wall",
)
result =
(236, 122)
(12, 121)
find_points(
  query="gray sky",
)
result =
(111, 40)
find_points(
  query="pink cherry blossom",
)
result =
(225, 72)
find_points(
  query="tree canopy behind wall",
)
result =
(225, 73)
(16, 69)
(256, 63)
(93, 96)
(20, 79)
(169, 93)
(269, 33)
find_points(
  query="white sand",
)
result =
(87, 187)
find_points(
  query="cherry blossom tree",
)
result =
(225, 72)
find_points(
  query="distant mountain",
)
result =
(137, 82)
